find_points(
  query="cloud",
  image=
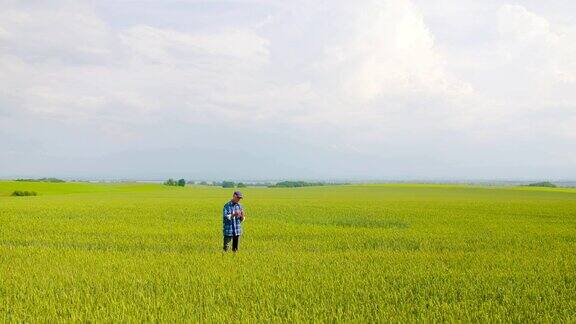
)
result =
(387, 51)
(369, 83)
(521, 71)
(173, 47)
(69, 64)
(545, 52)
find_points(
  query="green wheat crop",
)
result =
(145, 252)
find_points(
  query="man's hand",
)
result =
(238, 214)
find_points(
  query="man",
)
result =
(233, 218)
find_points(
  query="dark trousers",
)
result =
(234, 240)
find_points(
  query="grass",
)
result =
(146, 252)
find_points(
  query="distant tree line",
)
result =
(281, 184)
(232, 184)
(24, 193)
(224, 184)
(547, 184)
(55, 180)
(176, 183)
(294, 184)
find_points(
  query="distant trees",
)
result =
(261, 184)
(232, 184)
(293, 184)
(223, 184)
(24, 193)
(172, 182)
(228, 184)
(543, 184)
(54, 180)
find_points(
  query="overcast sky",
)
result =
(392, 89)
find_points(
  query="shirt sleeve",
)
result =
(227, 212)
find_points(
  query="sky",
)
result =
(391, 89)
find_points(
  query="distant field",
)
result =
(147, 252)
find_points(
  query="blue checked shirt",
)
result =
(232, 225)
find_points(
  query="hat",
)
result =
(238, 194)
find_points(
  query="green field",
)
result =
(145, 252)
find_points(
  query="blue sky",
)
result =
(392, 89)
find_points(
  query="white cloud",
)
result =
(368, 78)
(173, 47)
(388, 51)
(522, 73)
(544, 52)
(70, 64)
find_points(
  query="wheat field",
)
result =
(147, 252)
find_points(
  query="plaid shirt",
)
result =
(232, 225)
